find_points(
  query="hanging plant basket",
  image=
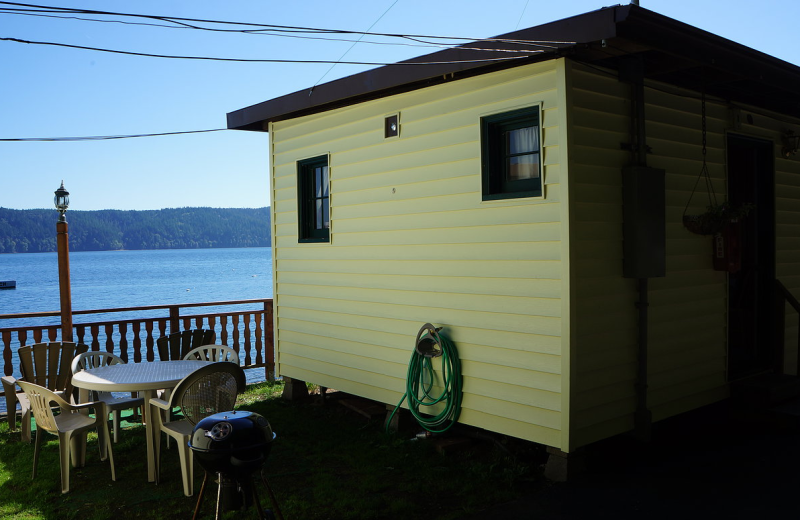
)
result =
(715, 218)
(701, 224)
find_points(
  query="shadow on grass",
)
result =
(327, 462)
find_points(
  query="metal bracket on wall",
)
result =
(630, 147)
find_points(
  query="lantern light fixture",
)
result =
(61, 201)
(791, 143)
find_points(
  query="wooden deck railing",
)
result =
(782, 297)
(249, 332)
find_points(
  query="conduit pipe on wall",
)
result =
(643, 419)
(644, 236)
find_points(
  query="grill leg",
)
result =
(271, 496)
(258, 504)
(200, 498)
(219, 496)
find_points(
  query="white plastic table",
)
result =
(136, 377)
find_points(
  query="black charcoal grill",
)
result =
(234, 446)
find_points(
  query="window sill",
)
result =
(513, 196)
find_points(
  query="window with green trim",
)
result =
(313, 206)
(511, 155)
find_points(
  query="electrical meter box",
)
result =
(644, 222)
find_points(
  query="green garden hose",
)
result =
(421, 377)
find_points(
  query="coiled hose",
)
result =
(421, 377)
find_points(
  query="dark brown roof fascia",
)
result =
(714, 64)
(697, 60)
(392, 79)
(713, 51)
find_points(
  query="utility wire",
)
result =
(287, 28)
(522, 13)
(268, 32)
(105, 137)
(262, 32)
(354, 44)
(260, 60)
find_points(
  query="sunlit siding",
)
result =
(687, 322)
(412, 242)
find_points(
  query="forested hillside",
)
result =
(34, 230)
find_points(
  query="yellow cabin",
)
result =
(538, 206)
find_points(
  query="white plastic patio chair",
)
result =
(45, 364)
(206, 391)
(95, 359)
(213, 353)
(202, 353)
(70, 426)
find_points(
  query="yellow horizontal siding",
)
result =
(446, 306)
(480, 329)
(483, 288)
(710, 392)
(427, 252)
(412, 242)
(602, 430)
(445, 202)
(311, 370)
(687, 310)
(787, 193)
(433, 268)
(520, 427)
(501, 233)
(545, 405)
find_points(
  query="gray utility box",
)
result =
(644, 222)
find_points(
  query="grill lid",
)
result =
(230, 432)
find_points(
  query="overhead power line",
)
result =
(257, 27)
(354, 44)
(259, 60)
(524, 50)
(522, 14)
(420, 44)
(106, 137)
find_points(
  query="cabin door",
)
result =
(751, 329)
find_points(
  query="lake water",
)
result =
(106, 279)
(113, 279)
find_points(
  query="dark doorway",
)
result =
(751, 329)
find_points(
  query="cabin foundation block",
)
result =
(394, 423)
(323, 393)
(561, 465)
(294, 389)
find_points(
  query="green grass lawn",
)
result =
(326, 463)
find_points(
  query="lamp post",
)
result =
(61, 201)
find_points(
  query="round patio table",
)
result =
(145, 378)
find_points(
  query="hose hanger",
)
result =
(429, 343)
(435, 413)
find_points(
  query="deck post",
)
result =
(62, 237)
(174, 319)
(269, 342)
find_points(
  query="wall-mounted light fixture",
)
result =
(791, 143)
(391, 126)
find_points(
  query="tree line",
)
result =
(34, 230)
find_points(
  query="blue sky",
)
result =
(50, 91)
